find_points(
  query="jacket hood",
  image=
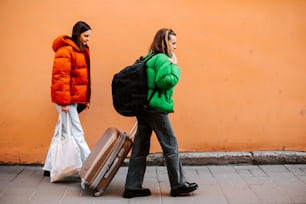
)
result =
(63, 40)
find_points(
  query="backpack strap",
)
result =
(145, 59)
(149, 56)
(142, 59)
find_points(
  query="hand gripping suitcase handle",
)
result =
(133, 131)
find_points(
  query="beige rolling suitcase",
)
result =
(105, 159)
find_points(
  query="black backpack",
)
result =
(130, 88)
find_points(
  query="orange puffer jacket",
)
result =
(71, 73)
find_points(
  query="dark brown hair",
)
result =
(77, 29)
(160, 41)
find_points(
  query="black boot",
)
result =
(136, 193)
(47, 173)
(184, 189)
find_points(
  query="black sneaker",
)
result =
(184, 189)
(136, 193)
(47, 173)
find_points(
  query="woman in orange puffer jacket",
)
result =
(70, 87)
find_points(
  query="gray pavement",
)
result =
(217, 185)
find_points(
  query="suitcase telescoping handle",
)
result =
(133, 131)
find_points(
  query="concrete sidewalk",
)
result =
(217, 185)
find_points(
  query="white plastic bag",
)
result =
(65, 155)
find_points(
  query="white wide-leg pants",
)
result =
(76, 130)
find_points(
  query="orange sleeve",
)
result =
(61, 76)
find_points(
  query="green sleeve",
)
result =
(167, 74)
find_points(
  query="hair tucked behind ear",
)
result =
(160, 41)
(77, 29)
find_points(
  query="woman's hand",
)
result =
(65, 108)
(173, 59)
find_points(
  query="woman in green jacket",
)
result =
(163, 74)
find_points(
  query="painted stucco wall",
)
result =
(243, 63)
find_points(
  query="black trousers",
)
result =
(159, 123)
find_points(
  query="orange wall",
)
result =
(243, 70)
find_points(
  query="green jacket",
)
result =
(162, 77)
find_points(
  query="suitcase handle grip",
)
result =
(133, 131)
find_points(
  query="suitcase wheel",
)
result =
(97, 194)
(83, 184)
